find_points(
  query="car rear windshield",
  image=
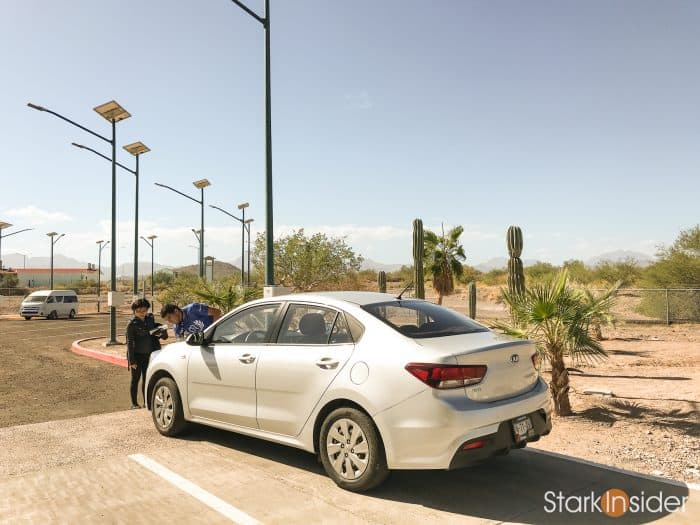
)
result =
(419, 319)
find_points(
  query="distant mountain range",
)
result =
(15, 260)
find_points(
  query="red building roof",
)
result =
(55, 270)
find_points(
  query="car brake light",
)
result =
(481, 443)
(536, 360)
(447, 376)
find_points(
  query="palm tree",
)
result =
(444, 256)
(226, 296)
(601, 309)
(557, 318)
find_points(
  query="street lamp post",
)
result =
(200, 184)
(3, 226)
(243, 223)
(242, 207)
(102, 246)
(136, 149)
(113, 113)
(53, 242)
(247, 223)
(269, 238)
(151, 241)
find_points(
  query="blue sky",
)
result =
(578, 121)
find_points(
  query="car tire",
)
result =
(27, 317)
(53, 315)
(166, 408)
(363, 466)
(71, 315)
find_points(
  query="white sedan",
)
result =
(369, 382)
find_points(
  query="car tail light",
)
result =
(447, 376)
(481, 443)
(536, 360)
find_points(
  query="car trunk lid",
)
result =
(510, 371)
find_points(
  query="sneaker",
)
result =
(134, 407)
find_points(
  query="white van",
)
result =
(51, 304)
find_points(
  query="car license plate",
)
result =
(521, 427)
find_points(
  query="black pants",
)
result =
(141, 362)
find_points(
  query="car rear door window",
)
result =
(309, 325)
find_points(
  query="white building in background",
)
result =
(41, 277)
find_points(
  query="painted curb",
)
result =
(96, 354)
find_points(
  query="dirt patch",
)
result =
(41, 380)
(651, 422)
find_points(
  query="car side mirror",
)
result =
(196, 339)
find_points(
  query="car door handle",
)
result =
(327, 363)
(246, 359)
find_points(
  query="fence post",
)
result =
(668, 317)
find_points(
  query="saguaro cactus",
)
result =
(418, 251)
(471, 300)
(381, 281)
(516, 275)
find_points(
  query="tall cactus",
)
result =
(418, 251)
(471, 299)
(516, 275)
(381, 281)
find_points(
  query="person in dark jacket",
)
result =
(141, 340)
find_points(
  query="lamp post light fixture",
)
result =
(112, 112)
(150, 240)
(4, 226)
(269, 238)
(247, 223)
(200, 184)
(242, 207)
(102, 246)
(53, 242)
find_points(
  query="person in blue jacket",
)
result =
(190, 319)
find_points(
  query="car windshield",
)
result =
(420, 319)
(36, 298)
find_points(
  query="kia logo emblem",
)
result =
(514, 359)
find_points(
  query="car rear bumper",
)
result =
(426, 431)
(502, 441)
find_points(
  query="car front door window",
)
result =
(250, 326)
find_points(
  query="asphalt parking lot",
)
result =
(41, 380)
(115, 468)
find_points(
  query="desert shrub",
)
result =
(305, 263)
(678, 266)
(578, 272)
(470, 274)
(496, 277)
(404, 275)
(627, 272)
(540, 272)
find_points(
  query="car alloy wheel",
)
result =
(71, 315)
(163, 407)
(347, 449)
(351, 450)
(166, 408)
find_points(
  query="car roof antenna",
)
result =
(410, 285)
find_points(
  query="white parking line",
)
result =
(668, 481)
(211, 501)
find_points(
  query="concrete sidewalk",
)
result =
(80, 471)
